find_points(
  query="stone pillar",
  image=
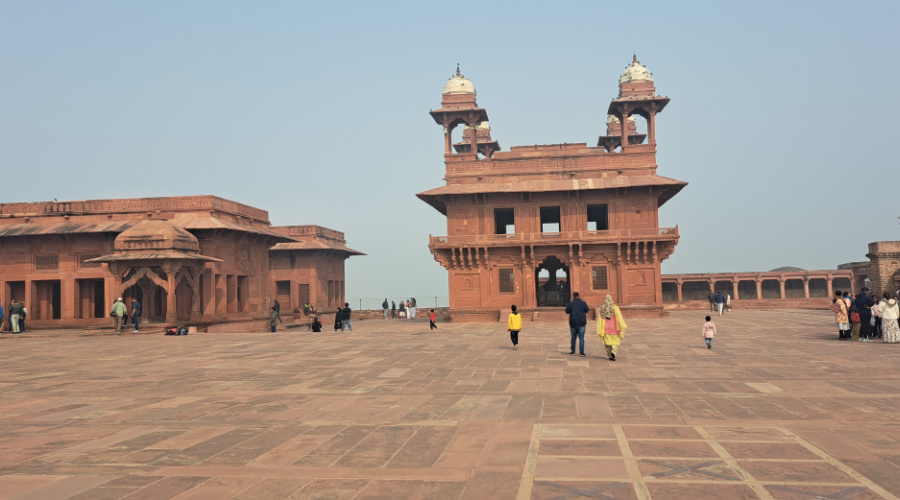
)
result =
(447, 139)
(805, 288)
(171, 312)
(736, 282)
(67, 300)
(651, 129)
(209, 302)
(624, 127)
(758, 289)
(679, 283)
(830, 286)
(781, 284)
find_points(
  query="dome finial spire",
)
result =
(457, 70)
(634, 59)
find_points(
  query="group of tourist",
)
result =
(719, 301)
(610, 325)
(865, 317)
(407, 309)
(119, 313)
(17, 314)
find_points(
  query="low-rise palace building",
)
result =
(199, 260)
(534, 224)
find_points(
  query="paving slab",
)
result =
(777, 409)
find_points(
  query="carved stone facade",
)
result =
(532, 225)
(198, 260)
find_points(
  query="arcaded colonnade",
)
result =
(761, 286)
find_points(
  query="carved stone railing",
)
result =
(606, 236)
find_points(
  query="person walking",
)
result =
(728, 302)
(393, 310)
(432, 317)
(346, 317)
(708, 332)
(720, 303)
(384, 305)
(514, 326)
(136, 312)
(890, 313)
(864, 305)
(277, 306)
(839, 307)
(15, 311)
(610, 326)
(412, 308)
(577, 311)
(119, 310)
(712, 300)
(875, 322)
(339, 320)
(274, 319)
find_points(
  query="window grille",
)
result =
(507, 282)
(599, 278)
(88, 265)
(46, 262)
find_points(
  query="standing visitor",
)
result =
(610, 326)
(119, 310)
(274, 319)
(408, 310)
(22, 318)
(277, 306)
(339, 320)
(855, 326)
(708, 331)
(393, 310)
(432, 317)
(577, 311)
(890, 312)
(136, 315)
(402, 312)
(839, 307)
(412, 308)
(346, 317)
(15, 311)
(712, 300)
(875, 323)
(384, 305)
(514, 326)
(728, 302)
(864, 305)
(720, 303)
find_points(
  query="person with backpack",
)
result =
(839, 307)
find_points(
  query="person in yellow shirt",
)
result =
(514, 326)
(610, 326)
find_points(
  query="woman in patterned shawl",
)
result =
(610, 326)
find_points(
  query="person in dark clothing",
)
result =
(393, 309)
(864, 305)
(316, 325)
(339, 320)
(712, 301)
(720, 302)
(345, 320)
(276, 306)
(577, 311)
(384, 305)
(136, 315)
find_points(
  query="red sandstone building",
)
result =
(200, 260)
(531, 225)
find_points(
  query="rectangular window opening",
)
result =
(599, 278)
(507, 281)
(550, 219)
(597, 217)
(504, 221)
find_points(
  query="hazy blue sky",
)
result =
(782, 119)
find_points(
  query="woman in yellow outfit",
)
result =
(513, 326)
(610, 326)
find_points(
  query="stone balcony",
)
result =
(610, 236)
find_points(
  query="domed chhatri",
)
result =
(156, 235)
(458, 84)
(636, 72)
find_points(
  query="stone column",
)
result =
(171, 312)
(736, 282)
(829, 285)
(758, 289)
(651, 129)
(679, 283)
(624, 127)
(781, 283)
(67, 301)
(209, 304)
(805, 288)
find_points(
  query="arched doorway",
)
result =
(552, 281)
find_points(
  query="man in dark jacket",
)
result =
(712, 301)
(384, 305)
(864, 305)
(16, 309)
(577, 311)
(346, 316)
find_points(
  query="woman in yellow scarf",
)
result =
(610, 326)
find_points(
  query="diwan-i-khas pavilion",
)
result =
(199, 260)
(532, 225)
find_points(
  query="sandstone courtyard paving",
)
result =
(778, 409)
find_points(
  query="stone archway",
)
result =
(553, 288)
